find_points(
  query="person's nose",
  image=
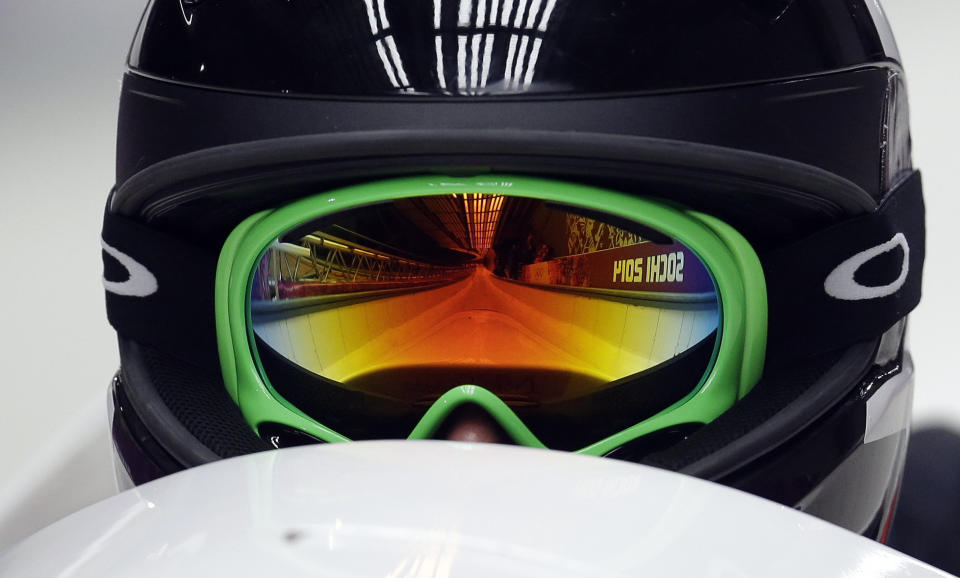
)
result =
(472, 424)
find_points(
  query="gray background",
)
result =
(60, 68)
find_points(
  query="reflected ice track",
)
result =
(482, 324)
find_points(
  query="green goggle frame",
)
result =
(738, 355)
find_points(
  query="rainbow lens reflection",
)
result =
(537, 302)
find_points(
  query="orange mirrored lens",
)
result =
(536, 302)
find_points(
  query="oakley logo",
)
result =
(140, 283)
(840, 283)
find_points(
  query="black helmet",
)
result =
(681, 234)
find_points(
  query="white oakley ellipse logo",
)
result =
(840, 283)
(141, 282)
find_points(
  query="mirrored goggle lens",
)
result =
(564, 314)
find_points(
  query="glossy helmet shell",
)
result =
(779, 117)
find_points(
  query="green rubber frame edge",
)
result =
(737, 360)
(755, 289)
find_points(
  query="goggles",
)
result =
(578, 318)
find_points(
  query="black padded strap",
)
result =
(848, 283)
(842, 285)
(160, 290)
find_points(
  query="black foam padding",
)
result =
(777, 389)
(197, 398)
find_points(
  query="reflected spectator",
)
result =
(490, 259)
(529, 250)
(543, 253)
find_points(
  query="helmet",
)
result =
(675, 234)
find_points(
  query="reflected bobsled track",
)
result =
(402, 301)
(505, 335)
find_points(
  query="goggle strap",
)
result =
(848, 283)
(177, 315)
(160, 290)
